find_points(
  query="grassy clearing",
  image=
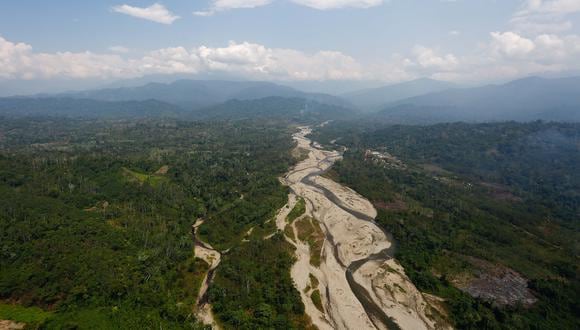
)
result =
(262, 230)
(192, 274)
(313, 281)
(300, 154)
(309, 231)
(32, 316)
(153, 180)
(316, 300)
(297, 211)
(289, 232)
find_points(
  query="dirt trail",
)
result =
(361, 285)
(207, 253)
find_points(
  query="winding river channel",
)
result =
(361, 286)
(357, 274)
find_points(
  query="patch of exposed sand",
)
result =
(11, 325)
(207, 253)
(162, 170)
(396, 294)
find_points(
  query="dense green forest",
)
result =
(96, 216)
(467, 201)
(254, 290)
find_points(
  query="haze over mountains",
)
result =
(86, 108)
(191, 94)
(419, 101)
(520, 100)
(374, 98)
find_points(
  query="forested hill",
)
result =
(85, 108)
(375, 99)
(275, 108)
(270, 107)
(537, 160)
(96, 220)
(196, 94)
(485, 216)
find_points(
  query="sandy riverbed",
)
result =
(356, 250)
(207, 253)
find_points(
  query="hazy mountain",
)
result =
(195, 94)
(522, 100)
(274, 107)
(83, 108)
(376, 98)
(269, 107)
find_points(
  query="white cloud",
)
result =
(555, 49)
(156, 13)
(19, 61)
(509, 55)
(222, 5)
(505, 55)
(545, 48)
(544, 16)
(428, 58)
(549, 7)
(336, 4)
(262, 62)
(511, 44)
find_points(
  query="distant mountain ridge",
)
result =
(196, 94)
(520, 100)
(373, 99)
(525, 99)
(274, 107)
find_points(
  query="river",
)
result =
(357, 254)
(360, 283)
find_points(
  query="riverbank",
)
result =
(207, 253)
(355, 279)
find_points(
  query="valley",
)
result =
(251, 214)
(356, 257)
(290, 165)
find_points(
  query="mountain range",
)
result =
(196, 94)
(373, 99)
(520, 100)
(420, 101)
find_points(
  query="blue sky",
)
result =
(314, 40)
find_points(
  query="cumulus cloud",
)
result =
(508, 55)
(547, 48)
(19, 61)
(259, 61)
(429, 58)
(511, 44)
(156, 13)
(505, 55)
(336, 4)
